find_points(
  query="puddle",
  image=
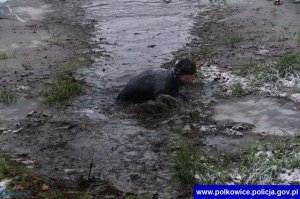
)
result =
(17, 36)
(126, 155)
(26, 12)
(137, 35)
(18, 110)
(269, 115)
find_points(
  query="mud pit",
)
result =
(136, 156)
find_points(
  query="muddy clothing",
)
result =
(149, 84)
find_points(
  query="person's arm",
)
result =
(183, 97)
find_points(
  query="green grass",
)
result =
(7, 95)
(199, 168)
(264, 73)
(259, 162)
(262, 162)
(3, 56)
(232, 40)
(206, 51)
(288, 65)
(9, 169)
(58, 194)
(177, 129)
(237, 89)
(19, 174)
(138, 197)
(62, 90)
(199, 76)
(245, 69)
(73, 64)
(23, 177)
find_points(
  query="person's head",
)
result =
(185, 70)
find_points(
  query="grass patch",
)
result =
(232, 40)
(199, 76)
(258, 163)
(199, 168)
(73, 64)
(25, 181)
(237, 89)
(22, 178)
(288, 65)
(261, 163)
(9, 169)
(7, 95)
(58, 194)
(264, 73)
(3, 56)
(245, 69)
(267, 72)
(177, 129)
(138, 197)
(62, 90)
(206, 51)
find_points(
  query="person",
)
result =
(150, 84)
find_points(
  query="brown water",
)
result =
(132, 36)
(138, 35)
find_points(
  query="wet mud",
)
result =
(91, 139)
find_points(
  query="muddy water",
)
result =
(132, 36)
(138, 35)
(17, 110)
(269, 115)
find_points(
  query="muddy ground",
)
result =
(91, 143)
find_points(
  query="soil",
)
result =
(91, 143)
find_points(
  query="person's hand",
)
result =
(172, 102)
(183, 97)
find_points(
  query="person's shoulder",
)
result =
(160, 72)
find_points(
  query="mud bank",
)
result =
(50, 44)
(39, 50)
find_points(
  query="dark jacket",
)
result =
(149, 84)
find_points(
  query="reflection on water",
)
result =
(269, 115)
(137, 35)
(18, 110)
